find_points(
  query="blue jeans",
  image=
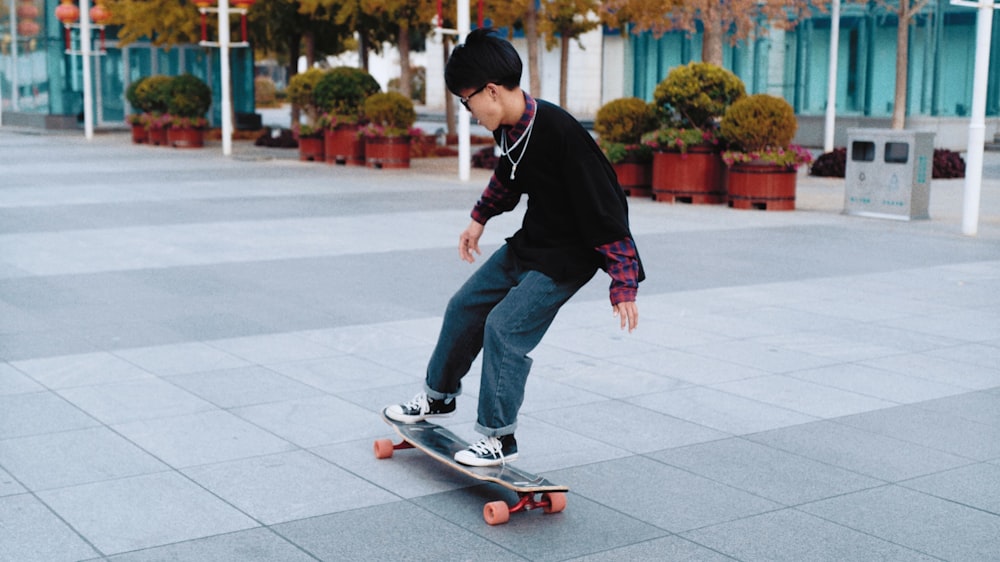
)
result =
(504, 310)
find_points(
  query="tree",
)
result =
(906, 11)
(519, 14)
(163, 22)
(563, 21)
(736, 20)
(402, 18)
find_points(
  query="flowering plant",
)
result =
(679, 139)
(181, 122)
(618, 152)
(156, 120)
(375, 130)
(791, 157)
(136, 119)
(305, 131)
(332, 121)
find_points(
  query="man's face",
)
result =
(482, 103)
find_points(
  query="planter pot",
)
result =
(139, 134)
(636, 178)
(157, 136)
(311, 148)
(694, 177)
(343, 146)
(761, 186)
(387, 152)
(186, 137)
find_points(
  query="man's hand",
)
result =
(627, 312)
(468, 241)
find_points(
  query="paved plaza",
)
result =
(194, 350)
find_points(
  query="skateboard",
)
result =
(534, 492)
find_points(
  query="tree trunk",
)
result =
(531, 36)
(563, 68)
(294, 50)
(449, 100)
(310, 41)
(363, 49)
(405, 72)
(711, 41)
(902, 56)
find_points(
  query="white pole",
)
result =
(464, 142)
(977, 123)
(88, 86)
(831, 81)
(224, 72)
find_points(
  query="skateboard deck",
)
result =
(441, 444)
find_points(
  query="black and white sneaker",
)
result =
(489, 451)
(420, 408)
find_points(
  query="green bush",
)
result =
(624, 120)
(152, 94)
(342, 92)
(265, 92)
(759, 122)
(392, 111)
(188, 96)
(132, 95)
(696, 94)
(301, 92)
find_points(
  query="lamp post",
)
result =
(89, 18)
(977, 121)
(224, 44)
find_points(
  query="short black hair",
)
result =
(484, 58)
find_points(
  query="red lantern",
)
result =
(67, 12)
(99, 14)
(243, 4)
(27, 11)
(28, 28)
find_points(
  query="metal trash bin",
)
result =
(888, 173)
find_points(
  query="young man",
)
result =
(576, 223)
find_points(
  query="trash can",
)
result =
(888, 173)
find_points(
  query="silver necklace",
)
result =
(526, 137)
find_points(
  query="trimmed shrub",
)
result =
(624, 120)
(343, 90)
(188, 96)
(696, 94)
(152, 94)
(759, 122)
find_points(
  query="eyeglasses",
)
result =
(465, 100)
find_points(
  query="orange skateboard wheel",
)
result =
(383, 448)
(556, 500)
(496, 513)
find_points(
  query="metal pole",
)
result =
(831, 81)
(225, 73)
(464, 141)
(13, 54)
(977, 123)
(88, 85)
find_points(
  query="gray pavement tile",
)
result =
(668, 333)
(688, 367)
(140, 512)
(721, 410)
(914, 520)
(878, 383)
(180, 359)
(825, 345)
(803, 396)
(37, 413)
(859, 451)
(8, 485)
(243, 386)
(762, 355)
(87, 369)
(541, 394)
(343, 373)
(923, 365)
(362, 338)
(29, 532)
(892, 337)
(13, 381)
(607, 378)
(311, 422)
(69, 458)
(410, 361)
(667, 497)
(44, 343)
(273, 348)
(389, 532)
(976, 486)
(288, 486)
(676, 549)
(630, 427)
(766, 472)
(967, 325)
(255, 545)
(133, 400)
(986, 354)
(201, 438)
(793, 536)
(583, 527)
(605, 343)
(949, 433)
(543, 447)
(980, 407)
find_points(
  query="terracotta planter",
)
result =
(343, 146)
(693, 177)
(157, 136)
(761, 186)
(387, 152)
(636, 178)
(311, 148)
(139, 134)
(186, 137)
